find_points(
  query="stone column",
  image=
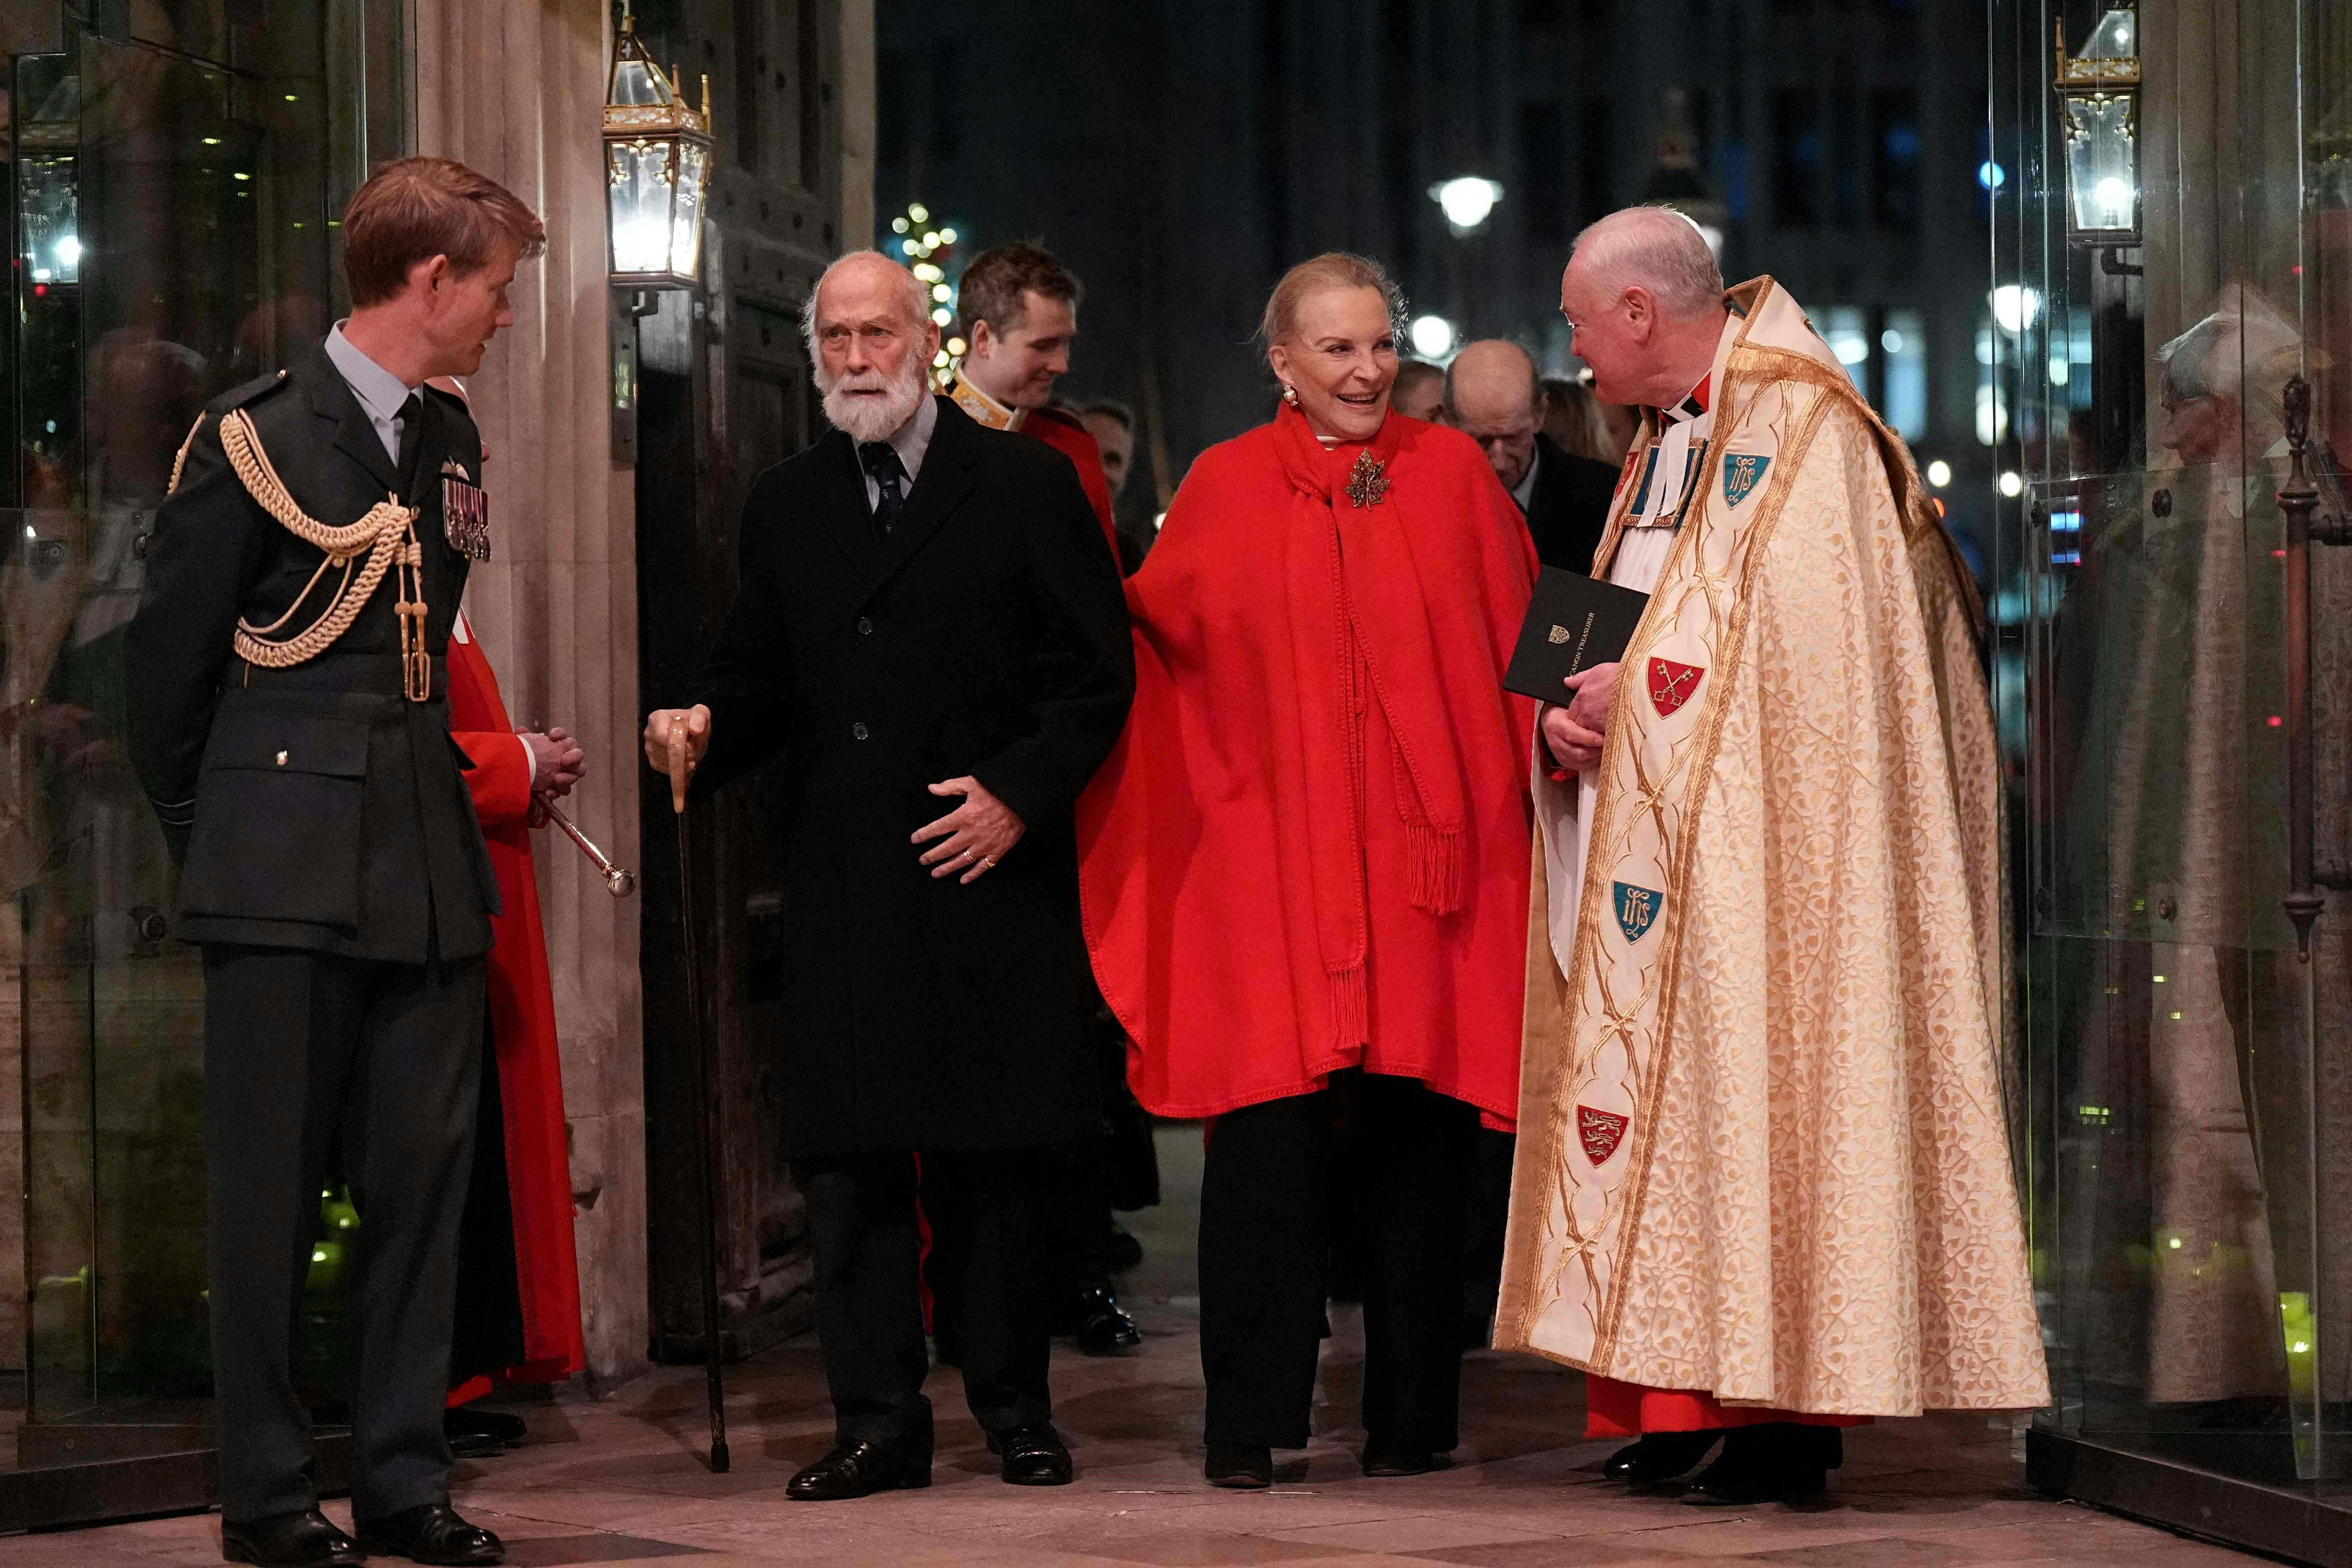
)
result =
(514, 88)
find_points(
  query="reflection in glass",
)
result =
(1903, 341)
(2101, 159)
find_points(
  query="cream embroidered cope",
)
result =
(387, 534)
(1761, 1150)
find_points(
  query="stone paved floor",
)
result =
(623, 1481)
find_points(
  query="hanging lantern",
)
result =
(2099, 91)
(657, 154)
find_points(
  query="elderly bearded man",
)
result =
(929, 630)
(1762, 1187)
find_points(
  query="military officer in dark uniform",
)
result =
(290, 722)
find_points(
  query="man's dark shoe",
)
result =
(430, 1533)
(1776, 1461)
(1383, 1457)
(1099, 1324)
(1246, 1466)
(1034, 1456)
(860, 1469)
(1659, 1458)
(307, 1538)
(475, 1433)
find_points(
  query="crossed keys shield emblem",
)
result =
(1671, 684)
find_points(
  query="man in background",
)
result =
(1112, 425)
(1020, 317)
(1419, 390)
(1495, 395)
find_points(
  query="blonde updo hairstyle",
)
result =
(1332, 270)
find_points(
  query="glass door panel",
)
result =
(2190, 1067)
(174, 195)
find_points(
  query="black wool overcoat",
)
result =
(987, 639)
(1570, 506)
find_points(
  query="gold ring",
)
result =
(988, 859)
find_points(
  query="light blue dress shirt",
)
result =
(381, 394)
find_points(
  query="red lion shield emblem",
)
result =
(1600, 1131)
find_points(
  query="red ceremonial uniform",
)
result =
(1068, 436)
(522, 1033)
(1066, 433)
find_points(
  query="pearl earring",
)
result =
(1290, 395)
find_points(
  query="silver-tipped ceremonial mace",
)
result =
(617, 882)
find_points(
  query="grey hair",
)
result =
(1657, 248)
(915, 297)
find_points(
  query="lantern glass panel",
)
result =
(686, 217)
(634, 84)
(2117, 37)
(641, 202)
(2102, 164)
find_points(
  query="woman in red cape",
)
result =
(1306, 866)
(546, 1343)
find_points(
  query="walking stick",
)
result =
(680, 767)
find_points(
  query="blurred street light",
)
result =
(1465, 200)
(1433, 337)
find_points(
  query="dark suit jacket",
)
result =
(1570, 506)
(989, 639)
(319, 808)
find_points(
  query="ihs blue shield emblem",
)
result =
(1637, 910)
(1742, 472)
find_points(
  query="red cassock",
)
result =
(1068, 434)
(522, 1033)
(1309, 849)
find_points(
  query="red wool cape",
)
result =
(522, 1029)
(1309, 849)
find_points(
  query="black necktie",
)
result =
(880, 460)
(412, 437)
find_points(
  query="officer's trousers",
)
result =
(313, 1064)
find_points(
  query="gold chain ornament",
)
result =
(387, 534)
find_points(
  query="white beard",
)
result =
(866, 418)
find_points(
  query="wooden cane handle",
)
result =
(681, 764)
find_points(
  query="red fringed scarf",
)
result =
(1288, 623)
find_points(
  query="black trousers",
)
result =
(1266, 1226)
(306, 1055)
(984, 1207)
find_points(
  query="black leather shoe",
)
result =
(475, 1433)
(1774, 1462)
(1383, 1457)
(1100, 1325)
(1659, 1458)
(1246, 1466)
(860, 1469)
(1034, 1456)
(305, 1540)
(430, 1533)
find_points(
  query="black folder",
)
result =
(1573, 623)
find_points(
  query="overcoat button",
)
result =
(857, 732)
(864, 626)
(281, 759)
